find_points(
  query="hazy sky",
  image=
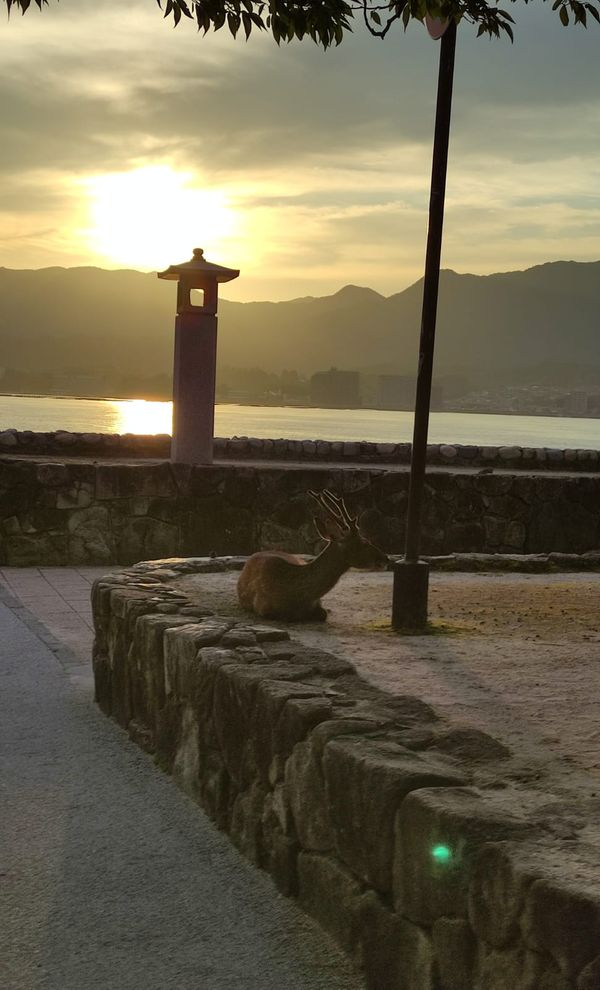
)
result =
(125, 143)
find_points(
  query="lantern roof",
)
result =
(199, 267)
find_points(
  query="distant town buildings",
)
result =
(332, 389)
(394, 392)
(530, 400)
(397, 392)
(335, 389)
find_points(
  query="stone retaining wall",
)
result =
(420, 846)
(97, 512)
(62, 443)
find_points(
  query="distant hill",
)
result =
(493, 325)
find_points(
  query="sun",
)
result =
(152, 216)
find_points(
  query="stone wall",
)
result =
(434, 862)
(131, 445)
(86, 512)
(95, 512)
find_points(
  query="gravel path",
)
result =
(110, 878)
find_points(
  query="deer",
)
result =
(279, 585)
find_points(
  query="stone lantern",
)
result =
(195, 362)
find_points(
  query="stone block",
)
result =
(366, 781)
(320, 662)
(186, 762)
(517, 969)
(448, 452)
(182, 644)
(8, 439)
(120, 480)
(275, 727)
(268, 634)
(11, 526)
(331, 894)
(515, 535)
(239, 637)
(234, 698)
(467, 744)
(495, 531)
(112, 481)
(562, 524)
(395, 954)
(465, 537)
(506, 506)
(90, 539)
(300, 715)
(500, 878)
(53, 475)
(305, 794)
(147, 655)
(589, 978)
(562, 918)
(279, 847)
(497, 894)
(209, 661)
(246, 822)
(49, 549)
(280, 447)
(438, 833)
(79, 497)
(454, 948)
(510, 453)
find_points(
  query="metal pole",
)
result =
(411, 576)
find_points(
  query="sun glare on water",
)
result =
(151, 217)
(141, 416)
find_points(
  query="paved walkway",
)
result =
(55, 603)
(110, 878)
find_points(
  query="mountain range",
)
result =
(489, 326)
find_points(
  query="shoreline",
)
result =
(296, 405)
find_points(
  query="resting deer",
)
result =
(278, 585)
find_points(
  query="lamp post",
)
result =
(195, 363)
(411, 575)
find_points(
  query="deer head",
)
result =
(339, 527)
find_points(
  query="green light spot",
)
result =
(441, 854)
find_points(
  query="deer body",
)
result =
(278, 585)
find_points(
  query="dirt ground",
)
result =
(517, 656)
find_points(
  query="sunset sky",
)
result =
(125, 143)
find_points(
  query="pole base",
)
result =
(409, 601)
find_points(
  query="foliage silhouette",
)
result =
(327, 21)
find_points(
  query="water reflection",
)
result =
(42, 413)
(140, 416)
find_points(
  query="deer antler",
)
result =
(335, 507)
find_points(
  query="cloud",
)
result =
(328, 155)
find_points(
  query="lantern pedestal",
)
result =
(194, 376)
